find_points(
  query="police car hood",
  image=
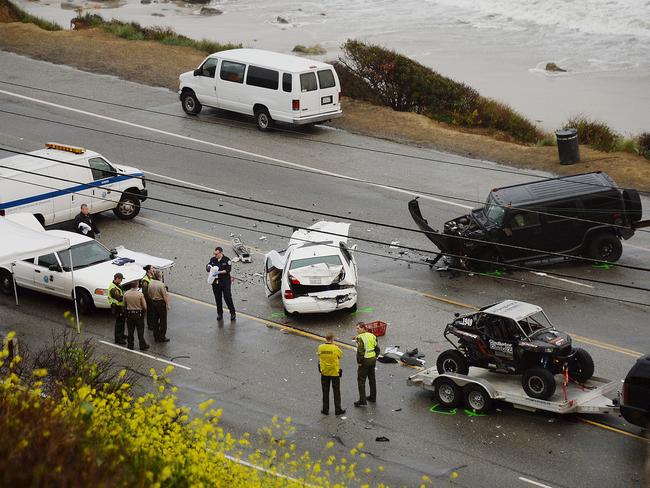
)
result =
(100, 275)
(551, 338)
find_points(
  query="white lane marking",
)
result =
(235, 150)
(267, 471)
(146, 355)
(541, 485)
(213, 190)
(538, 273)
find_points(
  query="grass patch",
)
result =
(547, 140)
(315, 49)
(11, 13)
(593, 133)
(643, 142)
(135, 32)
(385, 77)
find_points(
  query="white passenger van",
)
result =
(52, 183)
(270, 86)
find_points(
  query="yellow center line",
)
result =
(201, 235)
(613, 429)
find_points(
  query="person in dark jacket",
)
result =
(221, 265)
(84, 223)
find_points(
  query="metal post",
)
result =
(74, 292)
(13, 278)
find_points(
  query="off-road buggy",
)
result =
(514, 338)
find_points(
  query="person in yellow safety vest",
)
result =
(145, 291)
(367, 352)
(329, 365)
(116, 301)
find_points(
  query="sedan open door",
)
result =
(273, 266)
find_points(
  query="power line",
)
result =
(294, 227)
(369, 222)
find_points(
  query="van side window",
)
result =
(562, 211)
(308, 82)
(209, 68)
(100, 169)
(262, 77)
(287, 82)
(326, 78)
(231, 71)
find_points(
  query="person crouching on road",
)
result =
(150, 270)
(329, 365)
(221, 283)
(116, 302)
(84, 223)
(136, 307)
(367, 352)
(160, 303)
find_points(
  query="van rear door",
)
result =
(329, 92)
(309, 94)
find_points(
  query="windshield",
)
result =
(535, 323)
(85, 254)
(333, 260)
(493, 211)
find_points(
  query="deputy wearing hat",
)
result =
(116, 301)
(145, 291)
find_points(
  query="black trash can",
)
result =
(567, 146)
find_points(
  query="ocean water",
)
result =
(498, 46)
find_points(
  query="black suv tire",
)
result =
(604, 247)
(581, 368)
(452, 361)
(538, 383)
(447, 392)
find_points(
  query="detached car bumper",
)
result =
(317, 118)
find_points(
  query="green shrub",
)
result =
(382, 76)
(626, 145)
(593, 133)
(25, 18)
(315, 49)
(643, 142)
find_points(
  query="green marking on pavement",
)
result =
(278, 315)
(437, 408)
(473, 413)
(363, 310)
(497, 272)
(603, 265)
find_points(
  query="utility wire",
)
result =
(368, 222)
(294, 227)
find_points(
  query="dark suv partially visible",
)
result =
(635, 404)
(580, 215)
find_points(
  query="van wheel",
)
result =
(263, 119)
(85, 302)
(6, 282)
(127, 208)
(605, 247)
(190, 103)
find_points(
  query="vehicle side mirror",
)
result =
(198, 72)
(55, 267)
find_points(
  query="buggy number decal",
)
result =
(467, 321)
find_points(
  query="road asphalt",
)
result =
(259, 366)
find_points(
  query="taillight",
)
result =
(293, 280)
(295, 104)
(288, 294)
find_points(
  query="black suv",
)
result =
(579, 215)
(514, 338)
(635, 404)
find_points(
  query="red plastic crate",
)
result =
(378, 327)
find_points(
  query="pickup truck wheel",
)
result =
(263, 119)
(477, 398)
(6, 282)
(127, 208)
(538, 383)
(605, 247)
(447, 392)
(452, 361)
(85, 302)
(190, 103)
(581, 368)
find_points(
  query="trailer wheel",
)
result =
(582, 366)
(538, 383)
(477, 398)
(447, 392)
(452, 361)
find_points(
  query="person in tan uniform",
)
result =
(136, 307)
(150, 270)
(160, 303)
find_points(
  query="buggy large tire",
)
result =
(447, 393)
(477, 398)
(538, 383)
(581, 368)
(452, 361)
(605, 247)
(633, 207)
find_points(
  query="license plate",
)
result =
(326, 100)
(315, 281)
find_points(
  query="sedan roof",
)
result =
(512, 309)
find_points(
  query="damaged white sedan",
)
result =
(317, 272)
